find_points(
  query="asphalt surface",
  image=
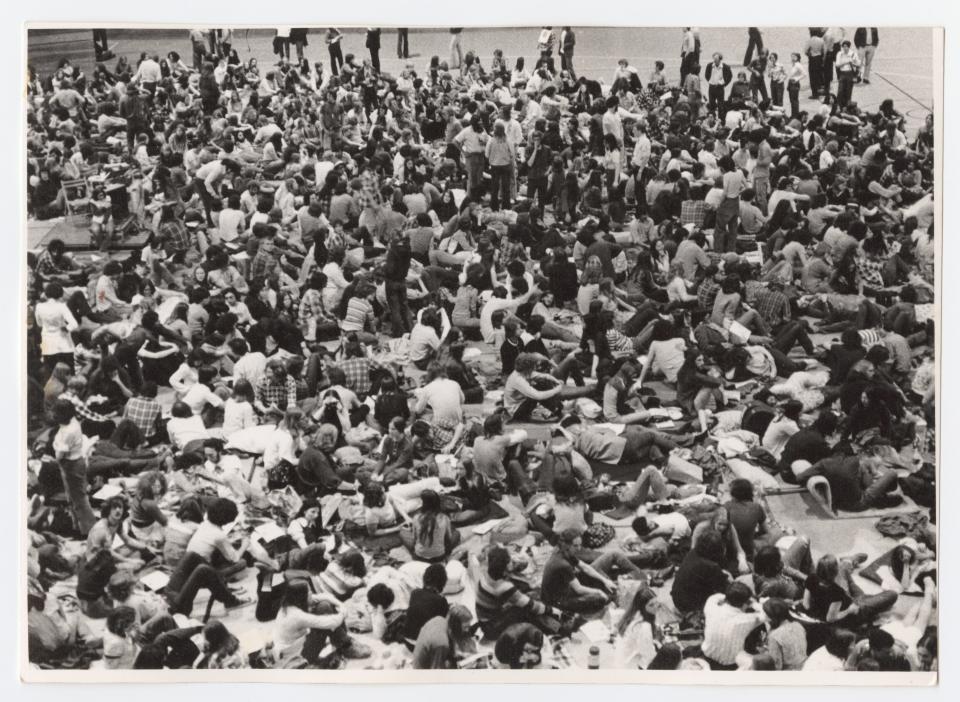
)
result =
(902, 67)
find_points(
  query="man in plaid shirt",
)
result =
(369, 195)
(54, 264)
(709, 287)
(267, 261)
(91, 422)
(357, 370)
(773, 306)
(694, 210)
(144, 410)
(173, 234)
(311, 308)
(276, 388)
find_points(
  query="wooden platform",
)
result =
(75, 238)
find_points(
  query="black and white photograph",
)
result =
(370, 352)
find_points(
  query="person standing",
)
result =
(545, 42)
(502, 159)
(334, 37)
(538, 168)
(814, 52)
(728, 214)
(403, 43)
(758, 83)
(688, 53)
(778, 76)
(794, 76)
(831, 47)
(281, 43)
(56, 322)
(472, 143)
(298, 37)
(373, 44)
(199, 43)
(456, 50)
(100, 45)
(718, 76)
(754, 41)
(866, 40)
(395, 271)
(568, 41)
(848, 63)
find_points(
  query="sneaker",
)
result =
(356, 650)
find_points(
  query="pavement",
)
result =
(902, 66)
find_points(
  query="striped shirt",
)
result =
(726, 629)
(494, 597)
(359, 314)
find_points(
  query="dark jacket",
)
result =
(727, 73)
(860, 37)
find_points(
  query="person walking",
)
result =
(754, 41)
(403, 43)
(373, 44)
(866, 40)
(100, 45)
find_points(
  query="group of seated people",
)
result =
(350, 343)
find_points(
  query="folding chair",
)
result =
(76, 198)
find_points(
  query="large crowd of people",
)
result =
(485, 363)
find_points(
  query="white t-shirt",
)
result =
(486, 315)
(823, 660)
(675, 521)
(250, 367)
(199, 395)
(231, 224)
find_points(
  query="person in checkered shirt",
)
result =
(276, 388)
(144, 410)
(54, 265)
(358, 368)
(92, 423)
(266, 263)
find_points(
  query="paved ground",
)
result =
(902, 63)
